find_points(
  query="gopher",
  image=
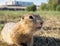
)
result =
(21, 32)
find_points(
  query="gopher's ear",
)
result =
(22, 17)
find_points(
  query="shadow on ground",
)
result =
(45, 41)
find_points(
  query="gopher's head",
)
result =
(32, 21)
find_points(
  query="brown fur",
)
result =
(23, 30)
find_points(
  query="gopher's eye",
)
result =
(30, 17)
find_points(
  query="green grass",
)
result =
(18, 13)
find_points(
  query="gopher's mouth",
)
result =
(39, 27)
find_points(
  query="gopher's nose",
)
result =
(41, 23)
